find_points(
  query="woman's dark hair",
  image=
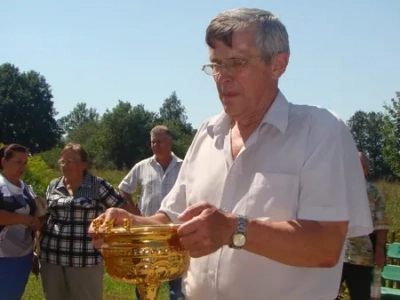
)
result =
(78, 149)
(8, 151)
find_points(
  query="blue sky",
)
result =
(344, 53)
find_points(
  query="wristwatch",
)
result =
(239, 238)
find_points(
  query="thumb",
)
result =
(193, 211)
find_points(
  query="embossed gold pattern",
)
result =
(142, 255)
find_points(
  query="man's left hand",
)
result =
(206, 229)
(380, 257)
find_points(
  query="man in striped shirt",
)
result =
(156, 176)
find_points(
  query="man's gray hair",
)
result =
(161, 129)
(271, 36)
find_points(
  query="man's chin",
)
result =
(230, 111)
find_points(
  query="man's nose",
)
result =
(225, 75)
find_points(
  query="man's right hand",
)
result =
(117, 214)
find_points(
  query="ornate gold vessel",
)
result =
(143, 255)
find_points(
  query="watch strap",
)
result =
(242, 224)
(241, 229)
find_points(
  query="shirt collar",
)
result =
(277, 116)
(174, 160)
(86, 182)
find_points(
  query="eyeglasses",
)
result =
(233, 65)
(63, 162)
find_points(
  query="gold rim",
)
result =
(141, 228)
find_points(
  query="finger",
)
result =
(189, 227)
(94, 235)
(193, 211)
(196, 245)
(195, 241)
(97, 242)
(117, 215)
(101, 218)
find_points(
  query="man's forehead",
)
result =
(243, 43)
(159, 135)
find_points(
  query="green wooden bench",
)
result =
(391, 274)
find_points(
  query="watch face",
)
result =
(239, 239)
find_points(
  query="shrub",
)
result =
(39, 174)
(51, 157)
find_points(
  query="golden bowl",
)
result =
(143, 255)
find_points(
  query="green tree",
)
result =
(26, 110)
(82, 125)
(173, 115)
(173, 110)
(367, 130)
(391, 132)
(124, 135)
(80, 115)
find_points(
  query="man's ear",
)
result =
(279, 63)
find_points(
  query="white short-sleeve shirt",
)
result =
(155, 182)
(301, 163)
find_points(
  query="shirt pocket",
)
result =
(273, 196)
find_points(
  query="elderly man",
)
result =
(363, 252)
(268, 190)
(156, 175)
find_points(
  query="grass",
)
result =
(114, 290)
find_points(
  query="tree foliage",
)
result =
(80, 115)
(391, 132)
(367, 130)
(377, 134)
(27, 114)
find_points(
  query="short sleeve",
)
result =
(51, 186)
(130, 181)
(174, 203)
(332, 183)
(109, 196)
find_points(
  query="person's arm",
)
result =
(127, 188)
(111, 198)
(332, 205)
(130, 206)
(381, 223)
(381, 227)
(380, 248)
(118, 215)
(298, 243)
(11, 218)
(381, 235)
